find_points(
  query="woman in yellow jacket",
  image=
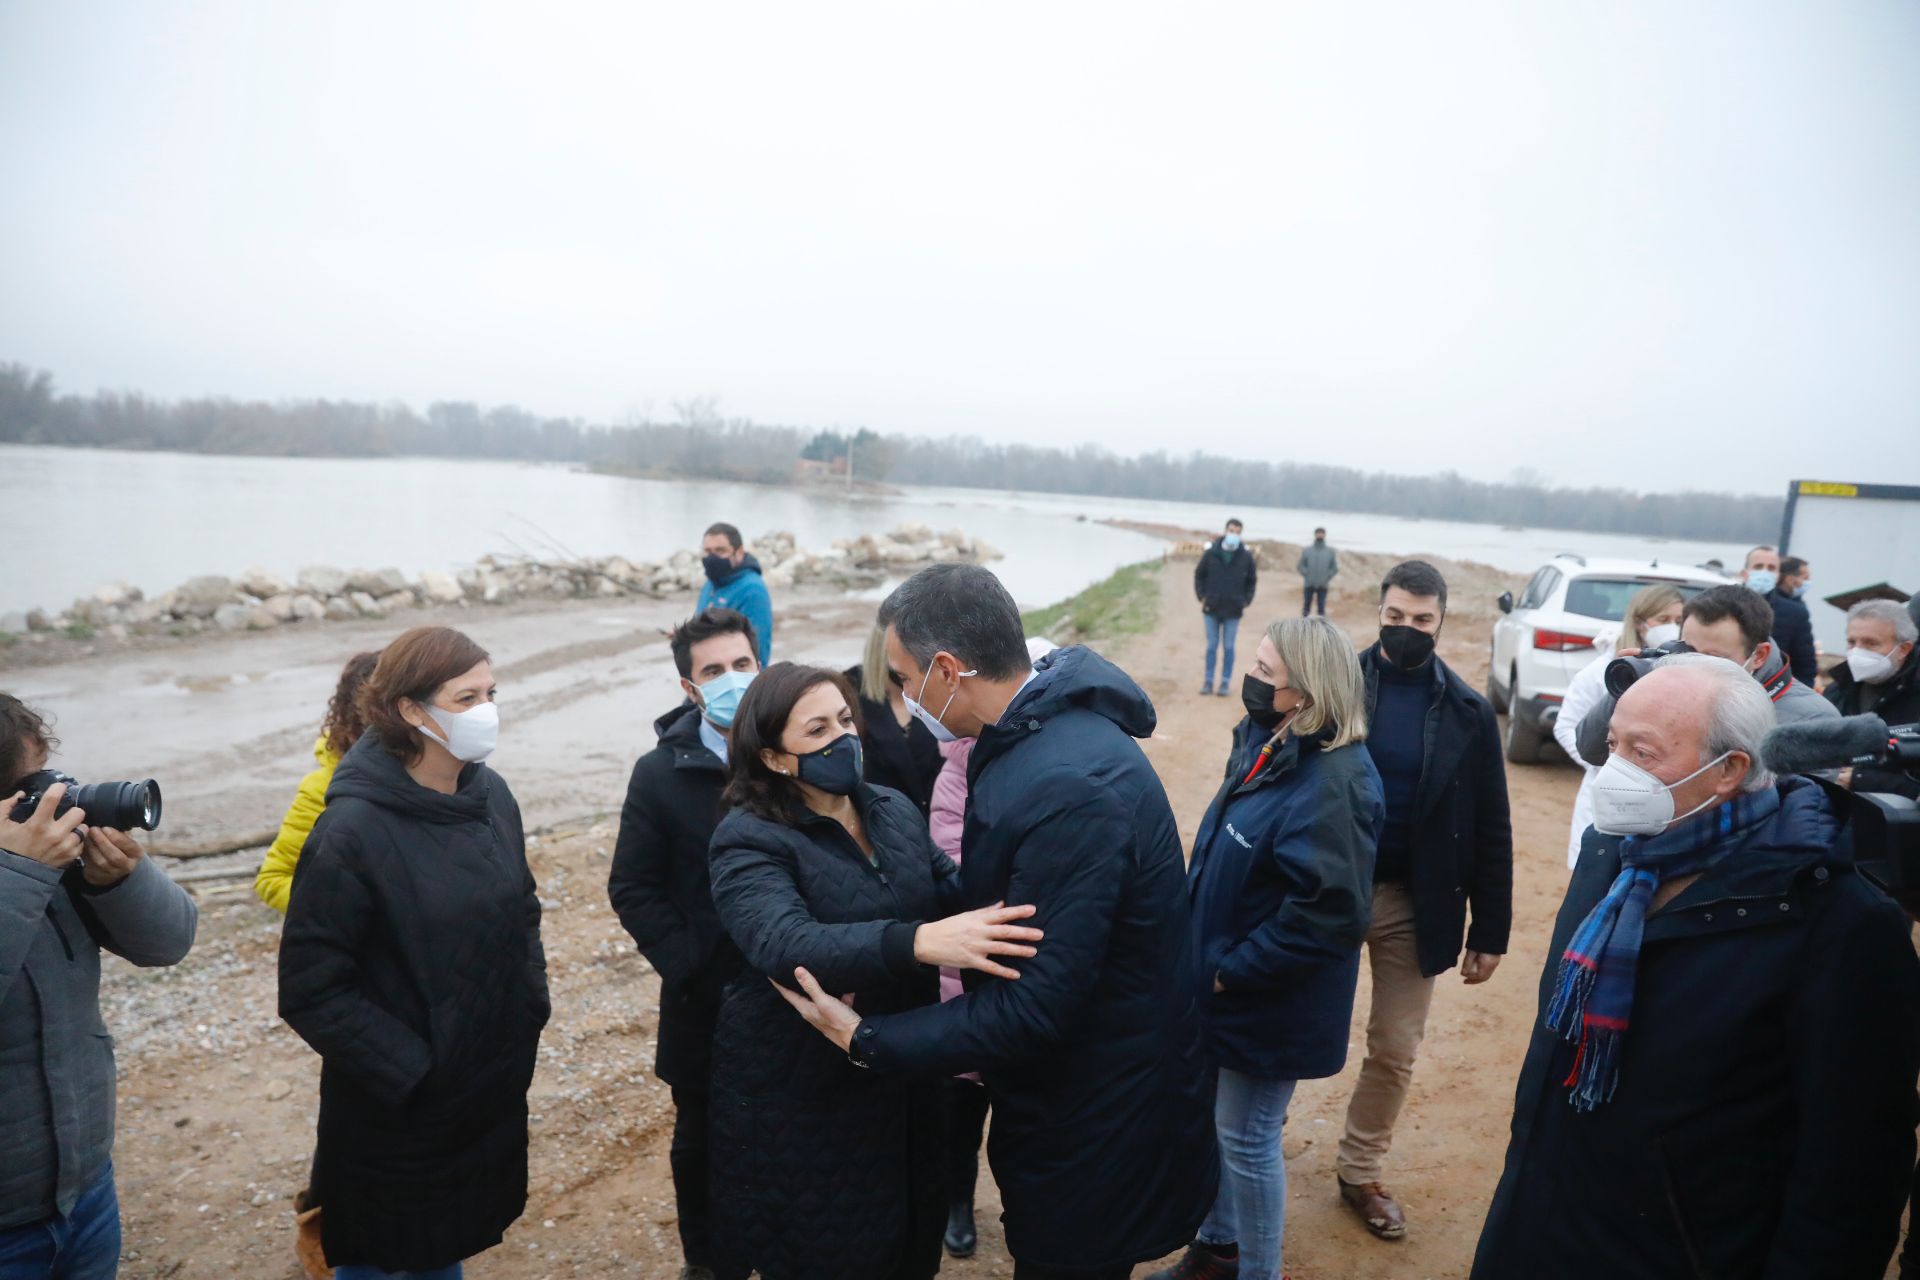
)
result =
(338, 731)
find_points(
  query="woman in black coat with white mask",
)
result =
(821, 1169)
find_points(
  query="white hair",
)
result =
(1904, 630)
(1742, 713)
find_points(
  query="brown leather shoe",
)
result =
(1376, 1207)
(1200, 1263)
(306, 1239)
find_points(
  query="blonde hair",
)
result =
(873, 667)
(1322, 665)
(1645, 603)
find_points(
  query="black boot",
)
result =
(962, 1239)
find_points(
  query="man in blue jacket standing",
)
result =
(1103, 1137)
(734, 581)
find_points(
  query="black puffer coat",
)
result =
(658, 886)
(1102, 1140)
(411, 962)
(820, 1168)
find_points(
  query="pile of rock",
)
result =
(259, 600)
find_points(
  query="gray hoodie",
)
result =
(56, 1058)
(1792, 702)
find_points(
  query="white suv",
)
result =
(1570, 606)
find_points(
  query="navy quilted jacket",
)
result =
(411, 962)
(1102, 1139)
(820, 1168)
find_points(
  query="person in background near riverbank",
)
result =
(339, 731)
(1721, 1077)
(411, 962)
(1792, 628)
(659, 888)
(734, 582)
(1881, 677)
(1282, 889)
(1223, 582)
(821, 1170)
(1653, 619)
(1102, 1138)
(969, 1104)
(66, 891)
(1447, 844)
(1318, 567)
(899, 752)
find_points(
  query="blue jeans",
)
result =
(1220, 633)
(82, 1245)
(357, 1272)
(1251, 1208)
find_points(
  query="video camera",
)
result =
(1885, 828)
(124, 806)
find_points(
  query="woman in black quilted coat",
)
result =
(411, 961)
(821, 1169)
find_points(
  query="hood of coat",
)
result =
(1077, 678)
(750, 564)
(372, 773)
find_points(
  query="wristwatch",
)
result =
(857, 1046)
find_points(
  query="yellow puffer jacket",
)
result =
(274, 884)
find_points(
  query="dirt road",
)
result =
(218, 1098)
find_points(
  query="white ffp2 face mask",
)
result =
(467, 735)
(1869, 666)
(939, 731)
(1665, 633)
(1629, 801)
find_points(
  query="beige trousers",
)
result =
(1396, 1022)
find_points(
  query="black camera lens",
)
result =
(1622, 672)
(124, 806)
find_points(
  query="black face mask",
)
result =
(1256, 695)
(834, 768)
(717, 567)
(1407, 648)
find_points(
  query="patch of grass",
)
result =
(8, 639)
(1126, 603)
(79, 631)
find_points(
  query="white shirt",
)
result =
(714, 740)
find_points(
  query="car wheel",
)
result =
(1524, 738)
(1498, 700)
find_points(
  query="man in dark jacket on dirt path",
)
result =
(1223, 582)
(660, 890)
(1721, 1078)
(1102, 1141)
(67, 892)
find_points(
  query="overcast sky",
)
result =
(1642, 242)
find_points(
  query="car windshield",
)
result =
(1608, 598)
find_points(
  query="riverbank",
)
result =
(218, 1096)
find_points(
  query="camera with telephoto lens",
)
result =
(1886, 828)
(124, 806)
(1622, 672)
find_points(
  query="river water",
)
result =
(88, 516)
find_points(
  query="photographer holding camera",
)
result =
(67, 889)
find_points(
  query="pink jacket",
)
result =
(945, 816)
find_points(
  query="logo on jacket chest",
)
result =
(1244, 843)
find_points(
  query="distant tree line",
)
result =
(699, 442)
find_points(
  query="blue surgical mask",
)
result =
(1762, 580)
(720, 696)
(1230, 541)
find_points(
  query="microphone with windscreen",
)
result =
(1811, 746)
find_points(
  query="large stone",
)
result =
(200, 597)
(280, 606)
(440, 588)
(231, 617)
(377, 582)
(321, 580)
(261, 618)
(306, 608)
(398, 600)
(143, 612)
(364, 604)
(900, 553)
(339, 609)
(114, 595)
(37, 620)
(260, 582)
(913, 531)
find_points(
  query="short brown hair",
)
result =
(22, 731)
(758, 723)
(344, 723)
(413, 666)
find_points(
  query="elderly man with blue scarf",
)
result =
(1721, 1077)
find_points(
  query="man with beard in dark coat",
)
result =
(1103, 1137)
(660, 890)
(1721, 1077)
